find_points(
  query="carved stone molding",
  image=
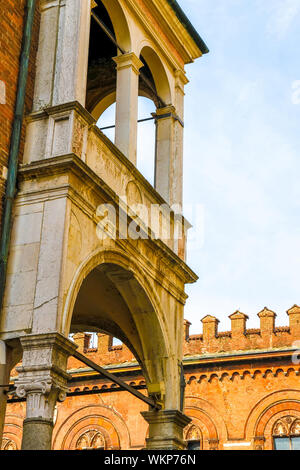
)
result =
(42, 376)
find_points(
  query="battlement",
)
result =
(239, 338)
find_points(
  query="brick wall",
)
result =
(12, 15)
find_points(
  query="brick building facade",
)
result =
(242, 391)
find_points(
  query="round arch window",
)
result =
(286, 433)
(194, 438)
(91, 440)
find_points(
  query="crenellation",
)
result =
(267, 321)
(210, 328)
(239, 338)
(211, 341)
(238, 324)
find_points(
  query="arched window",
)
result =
(116, 342)
(194, 438)
(91, 440)
(8, 444)
(286, 433)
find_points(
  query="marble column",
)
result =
(128, 66)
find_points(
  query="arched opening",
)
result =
(194, 438)
(111, 26)
(158, 86)
(286, 433)
(146, 139)
(111, 300)
(146, 134)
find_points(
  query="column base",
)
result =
(37, 434)
(166, 429)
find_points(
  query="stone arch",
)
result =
(98, 417)
(265, 409)
(158, 72)
(279, 412)
(193, 432)
(120, 23)
(101, 84)
(104, 104)
(281, 407)
(201, 411)
(141, 311)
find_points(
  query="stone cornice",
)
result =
(171, 27)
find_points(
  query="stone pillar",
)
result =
(43, 381)
(62, 59)
(166, 429)
(238, 324)
(176, 186)
(164, 152)
(169, 145)
(128, 66)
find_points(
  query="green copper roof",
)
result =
(188, 26)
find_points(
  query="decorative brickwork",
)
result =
(242, 391)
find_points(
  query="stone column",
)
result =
(128, 66)
(166, 429)
(176, 186)
(43, 381)
(169, 145)
(164, 151)
(62, 59)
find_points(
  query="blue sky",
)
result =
(242, 158)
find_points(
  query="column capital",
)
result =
(128, 60)
(168, 112)
(42, 376)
